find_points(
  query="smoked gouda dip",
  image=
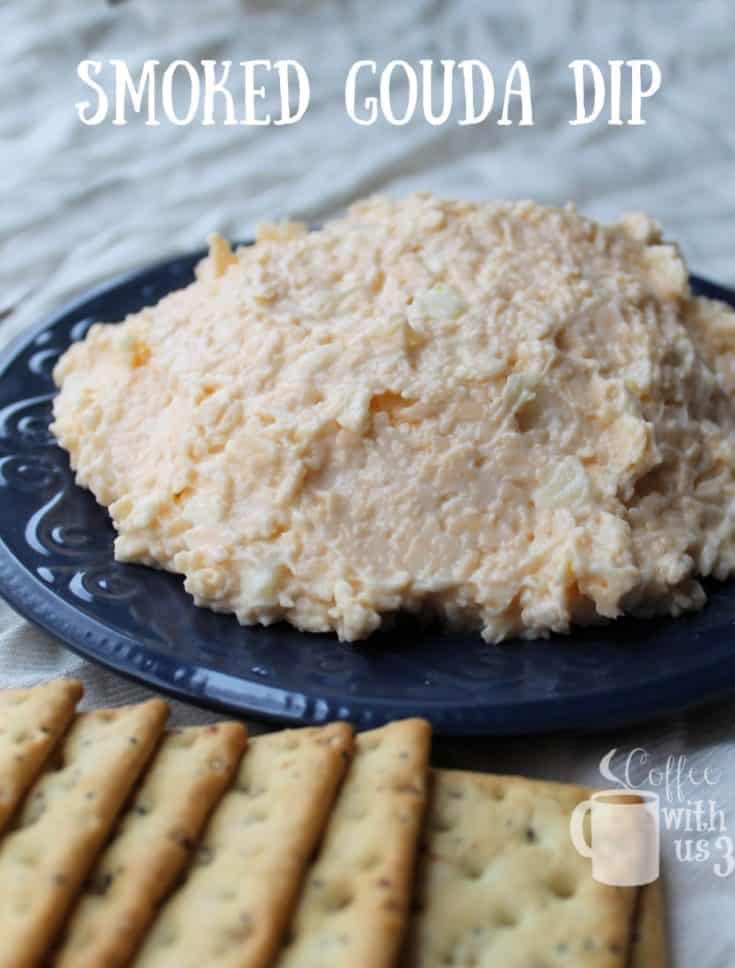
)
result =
(504, 414)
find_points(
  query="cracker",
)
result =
(649, 938)
(152, 845)
(354, 906)
(31, 722)
(67, 815)
(500, 883)
(235, 905)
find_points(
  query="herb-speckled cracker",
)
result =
(233, 909)
(67, 815)
(500, 883)
(188, 777)
(31, 722)
(355, 902)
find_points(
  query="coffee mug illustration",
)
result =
(623, 835)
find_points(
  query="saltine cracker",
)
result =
(500, 883)
(65, 820)
(152, 845)
(232, 910)
(31, 722)
(355, 902)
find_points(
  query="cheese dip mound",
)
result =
(502, 413)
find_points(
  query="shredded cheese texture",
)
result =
(506, 414)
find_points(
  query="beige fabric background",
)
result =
(80, 204)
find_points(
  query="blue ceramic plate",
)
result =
(57, 569)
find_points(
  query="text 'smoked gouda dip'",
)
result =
(502, 413)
